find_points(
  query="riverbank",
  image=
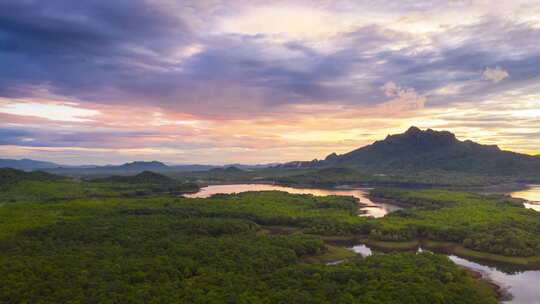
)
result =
(333, 254)
(487, 286)
(532, 263)
(484, 283)
(506, 187)
(529, 263)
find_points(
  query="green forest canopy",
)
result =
(78, 242)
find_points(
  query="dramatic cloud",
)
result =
(403, 99)
(260, 81)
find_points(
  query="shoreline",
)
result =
(501, 294)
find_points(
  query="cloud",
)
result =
(174, 57)
(495, 74)
(60, 112)
(84, 49)
(403, 99)
(220, 76)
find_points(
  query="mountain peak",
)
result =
(144, 165)
(332, 156)
(413, 130)
(419, 150)
(424, 140)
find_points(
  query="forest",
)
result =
(335, 176)
(487, 223)
(72, 241)
(358, 175)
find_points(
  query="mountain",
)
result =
(194, 167)
(231, 169)
(26, 164)
(210, 167)
(418, 150)
(145, 177)
(258, 166)
(124, 169)
(152, 181)
(142, 165)
(127, 168)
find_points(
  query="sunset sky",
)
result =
(216, 82)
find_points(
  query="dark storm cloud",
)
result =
(80, 45)
(189, 74)
(112, 52)
(34, 137)
(12, 137)
(56, 136)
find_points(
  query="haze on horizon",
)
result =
(221, 82)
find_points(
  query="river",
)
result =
(369, 208)
(524, 285)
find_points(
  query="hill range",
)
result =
(418, 150)
(421, 154)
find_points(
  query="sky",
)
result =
(253, 81)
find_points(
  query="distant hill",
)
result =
(26, 164)
(145, 177)
(157, 182)
(10, 176)
(124, 169)
(142, 165)
(258, 166)
(192, 167)
(418, 150)
(231, 169)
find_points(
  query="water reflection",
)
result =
(370, 209)
(335, 262)
(522, 285)
(362, 249)
(532, 194)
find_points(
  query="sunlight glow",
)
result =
(289, 21)
(58, 112)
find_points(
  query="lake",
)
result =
(523, 285)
